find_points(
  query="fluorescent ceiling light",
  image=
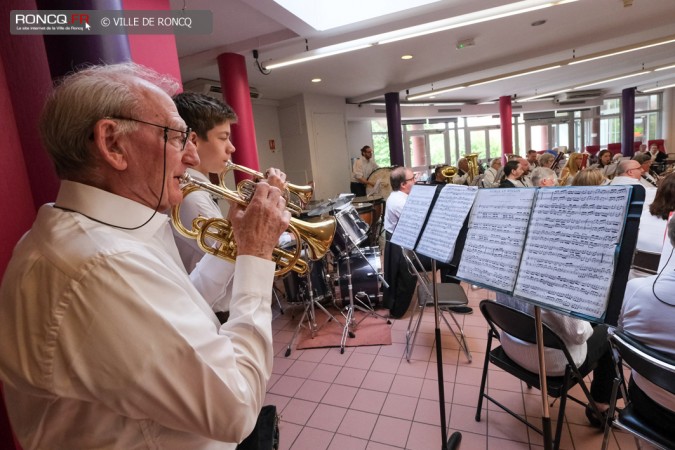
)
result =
(512, 75)
(312, 55)
(545, 94)
(657, 88)
(520, 7)
(485, 15)
(609, 80)
(672, 66)
(596, 56)
(327, 14)
(433, 93)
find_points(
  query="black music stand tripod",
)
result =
(350, 323)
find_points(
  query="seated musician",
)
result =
(107, 342)
(438, 177)
(401, 282)
(656, 154)
(462, 175)
(647, 314)
(490, 178)
(512, 174)
(605, 164)
(647, 179)
(544, 177)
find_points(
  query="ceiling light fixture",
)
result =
(498, 12)
(406, 57)
(432, 94)
(623, 50)
(657, 88)
(513, 75)
(672, 66)
(609, 80)
(545, 94)
(316, 80)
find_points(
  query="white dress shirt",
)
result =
(395, 204)
(363, 168)
(108, 343)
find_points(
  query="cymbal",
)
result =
(330, 205)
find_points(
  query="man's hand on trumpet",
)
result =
(257, 227)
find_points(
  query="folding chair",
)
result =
(522, 326)
(449, 295)
(655, 367)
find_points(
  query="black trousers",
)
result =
(358, 189)
(598, 355)
(401, 282)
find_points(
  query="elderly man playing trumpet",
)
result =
(107, 341)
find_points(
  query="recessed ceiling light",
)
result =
(407, 57)
(316, 80)
(536, 23)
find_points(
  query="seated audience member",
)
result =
(401, 282)
(589, 177)
(656, 155)
(571, 168)
(544, 177)
(648, 314)
(512, 174)
(107, 342)
(645, 160)
(490, 177)
(546, 160)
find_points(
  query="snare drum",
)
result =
(350, 232)
(365, 278)
(297, 286)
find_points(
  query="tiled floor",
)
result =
(372, 398)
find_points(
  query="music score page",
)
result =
(569, 256)
(445, 221)
(413, 215)
(494, 243)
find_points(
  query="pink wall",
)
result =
(154, 50)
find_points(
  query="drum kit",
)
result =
(349, 275)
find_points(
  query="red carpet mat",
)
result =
(371, 331)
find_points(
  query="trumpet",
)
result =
(303, 193)
(317, 236)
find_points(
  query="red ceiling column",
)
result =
(236, 92)
(506, 120)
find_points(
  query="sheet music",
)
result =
(412, 217)
(445, 221)
(494, 242)
(569, 256)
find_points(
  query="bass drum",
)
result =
(380, 177)
(365, 280)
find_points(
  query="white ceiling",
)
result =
(501, 46)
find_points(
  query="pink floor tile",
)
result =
(430, 390)
(288, 432)
(313, 354)
(449, 371)
(400, 406)
(462, 418)
(312, 439)
(503, 425)
(377, 381)
(350, 376)
(358, 424)
(281, 365)
(359, 360)
(409, 386)
(386, 364)
(428, 412)
(312, 390)
(391, 431)
(423, 437)
(325, 372)
(301, 369)
(471, 441)
(327, 417)
(469, 375)
(343, 442)
(368, 401)
(277, 400)
(504, 444)
(298, 411)
(339, 395)
(287, 386)
(395, 349)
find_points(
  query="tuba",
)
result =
(296, 196)
(318, 236)
(448, 173)
(474, 171)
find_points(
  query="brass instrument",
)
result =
(474, 170)
(302, 193)
(318, 236)
(448, 173)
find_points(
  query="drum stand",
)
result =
(350, 323)
(309, 313)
